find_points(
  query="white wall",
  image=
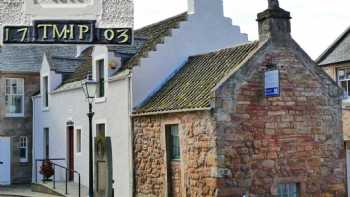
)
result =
(113, 110)
(205, 30)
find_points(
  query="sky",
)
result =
(315, 23)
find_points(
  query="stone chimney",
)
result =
(207, 7)
(274, 23)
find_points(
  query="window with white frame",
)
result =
(23, 149)
(78, 140)
(343, 78)
(14, 97)
(288, 190)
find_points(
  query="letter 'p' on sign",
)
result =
(66, 32)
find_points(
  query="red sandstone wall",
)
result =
(296, 137)
(198, 155)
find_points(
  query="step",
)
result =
(60, 189)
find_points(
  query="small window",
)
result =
(173, 139)
(23, 149)
(100, 130)
(100, 91)
(14, 97)
(78, 140)
(288, 190)
(46, 91)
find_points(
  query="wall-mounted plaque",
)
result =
(272, 83)
(66, 32)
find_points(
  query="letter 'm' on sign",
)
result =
(66, 32)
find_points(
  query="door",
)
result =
(5, 161)
(71, 152)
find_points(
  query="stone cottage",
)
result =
(336, 62)
(258, 119)
(19, 80)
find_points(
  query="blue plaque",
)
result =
(272, 84)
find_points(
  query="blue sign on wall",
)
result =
(272, 83)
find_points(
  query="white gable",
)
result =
(200, 33)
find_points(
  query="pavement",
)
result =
(72, 190)
(20, 191)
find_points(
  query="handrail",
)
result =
(54, 175)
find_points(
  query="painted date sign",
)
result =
(66, 32)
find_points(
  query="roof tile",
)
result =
(190, 87)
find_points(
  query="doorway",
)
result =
(70, 152)
(5, 161)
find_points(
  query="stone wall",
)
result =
(19, 126)
(113, 13)
(296, 137)
(198, 154)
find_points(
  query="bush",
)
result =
(47, 170)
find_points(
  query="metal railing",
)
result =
(67, 170)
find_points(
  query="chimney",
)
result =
(274, 23)
(206, 7)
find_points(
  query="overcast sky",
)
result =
(315, 24)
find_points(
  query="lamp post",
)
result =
(89, 88)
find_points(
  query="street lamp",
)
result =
(89, 88)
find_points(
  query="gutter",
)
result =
(171, 111)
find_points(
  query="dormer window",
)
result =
(100, 91)
(14, 97)
(46, 91)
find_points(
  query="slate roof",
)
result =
(154, 34)
(133, 49)
(190, 87)
(83, 69)
(29, 58)
(62, 64)
(338, 52)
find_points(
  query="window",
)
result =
(23, 149)
(288, 190)
(78, 140)
(173, 141)
(46, 91)
(46, 143)
(100, 130)
(100, 92)
(14, 97)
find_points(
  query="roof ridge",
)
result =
(166, 19)
(224, 49)
(67, 57)
(332, 46)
